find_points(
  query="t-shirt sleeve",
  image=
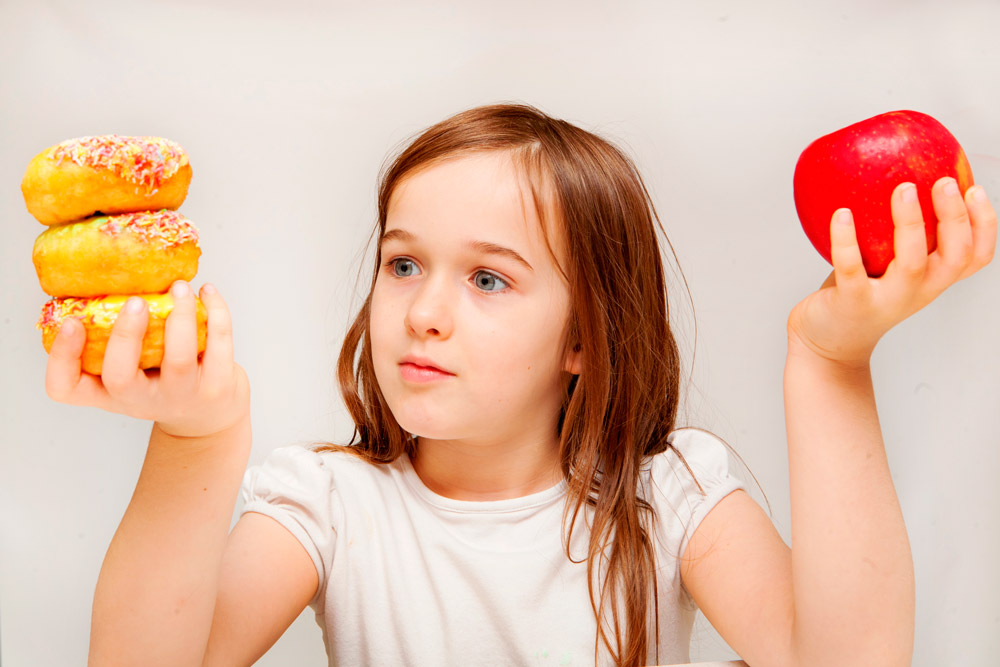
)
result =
(294, 486)
(688, 481)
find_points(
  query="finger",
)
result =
(62, 372)
(217, 363)
(954, 233)
(120, 372)
(848, 267)
(984, 228)
(909, 235)
(179, 369)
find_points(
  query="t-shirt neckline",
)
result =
(507, 505)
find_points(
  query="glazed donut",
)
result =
(108, 174)
(132, 253)
(98, 314)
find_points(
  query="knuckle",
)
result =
(62, 351)
(119, 335)
(115, 381)
(912, 270)
(852, 271)
(181, 364)
(988, 256)
(219, 318)
(179, 316)
(222, 331)
(850, 261)
(963, 253)
(854, 275)
(126, 328)
(56, 391)
(212, 392)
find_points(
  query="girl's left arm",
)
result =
(844, 593)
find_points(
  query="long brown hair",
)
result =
(623, 405)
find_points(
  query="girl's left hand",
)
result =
(847, 316)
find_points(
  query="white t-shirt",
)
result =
(409, 577)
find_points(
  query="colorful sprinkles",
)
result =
(170, 228)
(56, 310)
(99, 311)
(146, 161)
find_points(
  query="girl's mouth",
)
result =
(418, 369)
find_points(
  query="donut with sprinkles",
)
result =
(120, 254)
(98, 314)
(107, 174)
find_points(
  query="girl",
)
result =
(518, 490)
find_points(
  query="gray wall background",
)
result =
(288, 109)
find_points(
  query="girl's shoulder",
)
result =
(693, 453)
(685, 481)
(304, 489)
(310, 471)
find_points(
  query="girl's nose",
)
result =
(429, 314)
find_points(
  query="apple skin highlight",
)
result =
(859, 166)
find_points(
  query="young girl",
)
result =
(518, 491)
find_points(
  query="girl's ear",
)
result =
(573, 363)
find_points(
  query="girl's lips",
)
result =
(412, 372)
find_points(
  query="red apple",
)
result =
(859, 166)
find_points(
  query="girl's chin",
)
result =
(444, 429)
(433, 433)
(446, 420)
(426, 427)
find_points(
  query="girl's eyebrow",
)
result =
(488, 248)
(484, 247)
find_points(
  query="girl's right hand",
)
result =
(186, 398)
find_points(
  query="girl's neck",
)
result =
(487, 471)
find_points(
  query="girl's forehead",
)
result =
(481, 196)
(489, 176)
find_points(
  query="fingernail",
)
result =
(208, 288)
(134, 305)
(951, 187)
(843, 216)
(180, 289)
(68, 327)
(979, 194)
(909, 193)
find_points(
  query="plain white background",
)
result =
(288, 110)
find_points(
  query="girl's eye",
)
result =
(403, 267)
(489, 282)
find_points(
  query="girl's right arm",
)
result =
(175, 588)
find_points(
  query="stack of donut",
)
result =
(110, 203)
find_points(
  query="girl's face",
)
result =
(469, 309)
